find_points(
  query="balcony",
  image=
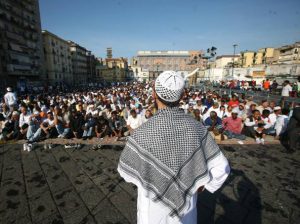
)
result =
(286, 53)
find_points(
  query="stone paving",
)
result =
(61, 185)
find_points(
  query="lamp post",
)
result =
(234, 46)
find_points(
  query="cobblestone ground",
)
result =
(82, 186)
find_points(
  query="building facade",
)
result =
(21, 52)
(289, 54)
(247, 59)
(223, 61)
(79, 63)
(113, 70)
(156, 62)
(264, 56)
(91, 67)
(140, 74)
(58, 62)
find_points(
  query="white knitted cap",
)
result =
(235, 110)
(169, 86)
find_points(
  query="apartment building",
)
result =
(21, 50)
(58, 61)
(289, 54)
(91, 67)
(79, 63)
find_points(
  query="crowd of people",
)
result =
(116, 111)
(285, 89)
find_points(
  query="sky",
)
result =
(132, 25)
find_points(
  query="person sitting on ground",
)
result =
(263, 106)
(5, 111)
(199, 106)
(260, 132)
(11, 129)
(196, 115)
(242, 113)
(252, 108)
(184, 106)
(213, 124)
(250, 123)
(88, 127)
(233, 126)
(223, 112)
(2, 125)
(48, 126)
(190, 110)
(102, 127)
(58, 121)
(147, 116)
(272, 105)
(33, 132)
(117, 125)
(208, 101)
(228, 111)
(134, 121)
(234, 102)
(76, 123)
(271, 120)
(24, 121)
(126, 111)
(268, 124)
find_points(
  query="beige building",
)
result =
(223, 61)
(289, 54)
(157, 61)
(264, 56)
(79, 63)
(21, 51)
(113, 70)
(247, 59)
(58, 62)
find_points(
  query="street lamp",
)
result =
(234, 46)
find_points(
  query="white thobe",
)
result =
(150, 212)
(281, 124)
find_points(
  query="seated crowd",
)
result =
(117, 111)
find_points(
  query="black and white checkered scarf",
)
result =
(169, 156)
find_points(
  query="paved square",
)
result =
(83, 186)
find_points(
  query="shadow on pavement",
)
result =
(238, 201)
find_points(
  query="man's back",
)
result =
(170, 129)
(170, 157)
(10, 99)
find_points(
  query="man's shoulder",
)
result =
(157, 123)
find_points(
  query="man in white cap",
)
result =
(10, 99)
(233, 125)
(170, 158)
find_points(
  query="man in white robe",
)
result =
(169, 158)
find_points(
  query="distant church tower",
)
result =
(109, 52)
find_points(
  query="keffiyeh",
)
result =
(169, 156)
